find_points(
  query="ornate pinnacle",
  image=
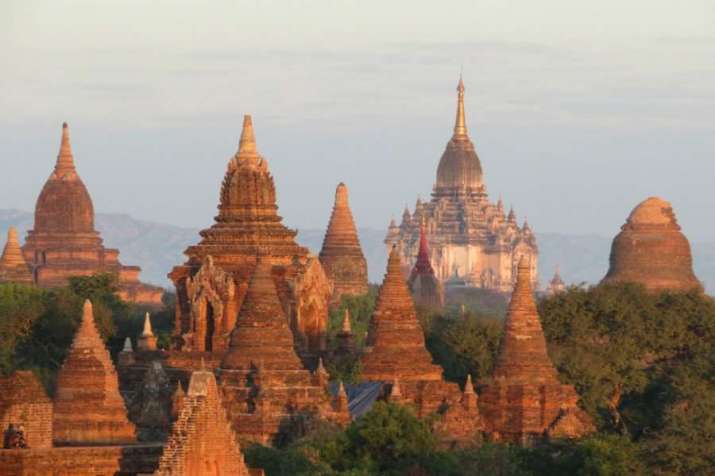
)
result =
(65, 160)
(147, 327)
(347, 328)
(460, 126)
(12, 254)
(468, 387)
(247, 143)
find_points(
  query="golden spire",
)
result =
(460, 126)
(65, 160)
(247, 144)
(347, 328)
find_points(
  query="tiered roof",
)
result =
(88, 406)
(341, 255)
(396, 341)
(13, 267)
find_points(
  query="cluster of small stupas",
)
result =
(652, 251)
(64, 243)
(211, 285)
(85, 429)
(341, 255)
(471, 240)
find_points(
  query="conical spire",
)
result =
(397, 341)
(12, 254)
(88, 405)
(261, 332)
(247, 144)
(65, 159)
(346, 327)
(468, 386)
(523, 355)
(147, 332)
(127, 345)
(423, 264)
(460, 126)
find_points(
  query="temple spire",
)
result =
(147, 326)
(247, 143)
(460, 125)
(12, 255)
(65, 160)
(346, 327)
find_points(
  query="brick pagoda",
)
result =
(211, 285)
(88, 406)
(13, 267)
(524, 400)
(427, 290)
(396, 355)
(24, 404)
(341, 255)
(202, 441)
(264, 382)
(63, 242)
(651, 250)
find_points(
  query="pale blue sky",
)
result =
(579, 110)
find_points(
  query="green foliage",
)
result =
(465, 344)
(37, 326)
(20, 306)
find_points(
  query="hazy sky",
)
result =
(578, 109)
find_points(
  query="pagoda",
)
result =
(427, 290)
(471, 241)
(202, 440)
(24, 403)
(341, 255)
(64, 243)
(212, 283)
(396, 356)
(524, 400)
(263, 380)
(652, 251)
(88, 406)
(13, 267)
(556, 285)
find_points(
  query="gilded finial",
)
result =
(460, 125)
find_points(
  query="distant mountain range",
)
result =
(157, 247)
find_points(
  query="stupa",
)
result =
(88, 406)
(211, 285)
(396, 356)
(471, 242)
(13, 267)
(556, 285)
(341, 255)
(263, 380)
(427, 290)
(64, 243)
(523, 400)
(202, 441)
(24, 404)
(652, 251)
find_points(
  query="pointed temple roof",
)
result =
(346, 328)
(202, 438)
(341, 254)
(556, 281)
(459, 168)
(523, 355)
(262, 335)
(13, 267)
(651, 250)
(426, 288)
(147, 331)
(395, 337)
(64, 204)
(88, 406)
(248, 214)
